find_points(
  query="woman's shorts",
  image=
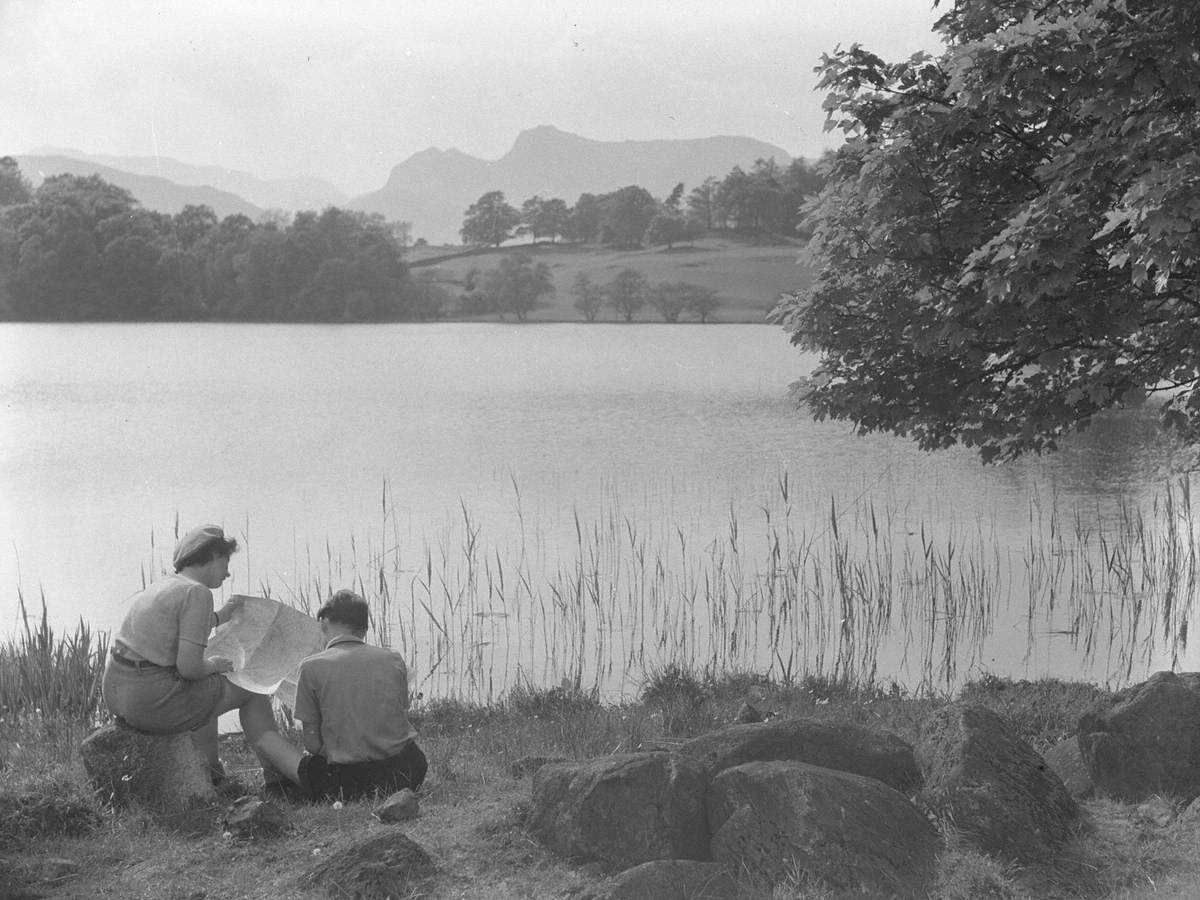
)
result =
(159, 700)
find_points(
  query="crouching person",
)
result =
(353, 700)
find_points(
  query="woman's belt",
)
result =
(134, 663)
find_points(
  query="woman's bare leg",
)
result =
(271, 748)
(258, 724)
(207, 741)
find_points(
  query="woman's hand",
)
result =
(232, 606)
(219, 665)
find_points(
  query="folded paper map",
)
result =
(267, 641)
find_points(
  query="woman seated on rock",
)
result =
(159, 680)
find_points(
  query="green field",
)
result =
(748, 277)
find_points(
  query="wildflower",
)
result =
(227, 835)
(337, 804)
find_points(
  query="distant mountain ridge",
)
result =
(433, 188)
(152, 191)
(304, 192)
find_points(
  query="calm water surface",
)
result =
(288, 435)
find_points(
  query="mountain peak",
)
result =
(432, 188)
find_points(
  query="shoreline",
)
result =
(472, 807)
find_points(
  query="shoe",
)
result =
(284, 790)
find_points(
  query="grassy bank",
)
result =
(56, 841)
(747, 276)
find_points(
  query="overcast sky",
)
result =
(345, 90)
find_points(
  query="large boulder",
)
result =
(854, 833)
(992, 787)
(385, 865)
(842, 746)
(667, 879)
(161, 773)
(1067, 762)
(621, 810)
(1145, 740)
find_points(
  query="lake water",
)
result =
(477, 474)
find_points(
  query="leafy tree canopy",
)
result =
(489, 221)
(1007, 243)
(517, 284)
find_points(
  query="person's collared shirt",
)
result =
(358, 695)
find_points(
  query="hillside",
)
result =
(152, 191)
(748, 277)
(298, 193)
(433, 188)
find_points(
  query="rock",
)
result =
(667, 879)
(854, 833)
(748, 714)
(162, 773)
(992, 787)
(527, 765)
(621, 810)
(845, 747)
(400, 806)
(386, 865)
(1066, 760)
(1190, 814)
(250, 817)
(1145, 740)
(1157, 811)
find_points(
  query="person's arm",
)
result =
(232, 606)
(308, 710)
(312, 737)
(195, 622)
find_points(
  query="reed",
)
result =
(856, 590)
(47, 675)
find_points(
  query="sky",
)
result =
(346, 90)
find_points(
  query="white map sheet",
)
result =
(267, 641)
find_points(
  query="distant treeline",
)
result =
(767, 199)
(81, 249)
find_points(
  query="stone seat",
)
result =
(164, 773)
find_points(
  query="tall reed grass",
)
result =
(857, 590)
(48, 674)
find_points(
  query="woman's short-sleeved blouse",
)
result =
(151, 627)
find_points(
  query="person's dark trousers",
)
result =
(350, 781)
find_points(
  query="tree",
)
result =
(666, 228)
(517, 284)
(628, 212)
(1006, 244)
(59, 241)
(489, 221)
(627, 293)
(674, 198)
(670, 299)
(702, 204)
(584, 222)
(544, 218)
(701, 301)
(14, 187)
(589, 297)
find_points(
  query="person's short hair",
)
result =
(346, 608)
(202, 545)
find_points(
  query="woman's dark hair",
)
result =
(346, 608)
(207, 553)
